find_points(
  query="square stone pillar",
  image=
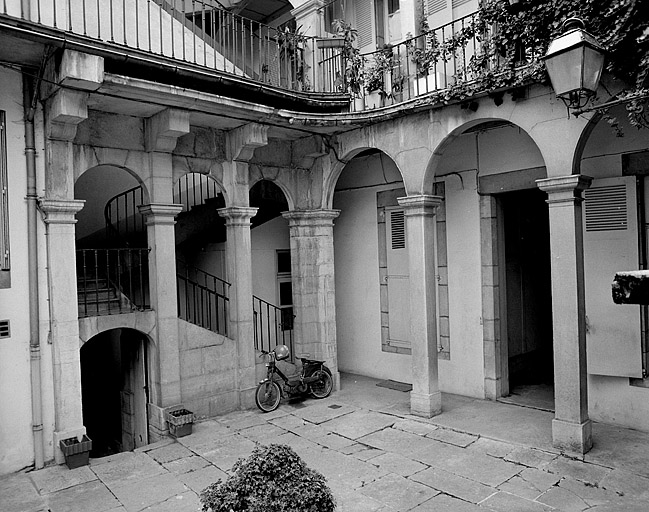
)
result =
(238, 255)
(571, 428)
(312, 275)
(64, 319)
(425, 397)
(160, 220)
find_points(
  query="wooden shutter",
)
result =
(364, 17)
(398, 279)
(610, 245)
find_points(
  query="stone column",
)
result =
(312, 273)
(64, 319)
(571, 427)
(160, 220)
(425, 397)
(239, 271)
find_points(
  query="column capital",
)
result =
(237, 215)
(160, 213)
(564, 188)
(423, 205)
(60, 211)
(305, 218)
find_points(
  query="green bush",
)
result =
(272, 479)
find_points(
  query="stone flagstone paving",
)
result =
(373, 461)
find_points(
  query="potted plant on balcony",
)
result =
(76, 451)
(180, 422)
(351, 79)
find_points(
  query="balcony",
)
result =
(212, 46)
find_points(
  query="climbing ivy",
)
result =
(523, 29)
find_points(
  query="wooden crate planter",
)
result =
(180, 422)
(77, 453)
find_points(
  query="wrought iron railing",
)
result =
(112, 281)
(460, 52)
(122, 215)
(194, 189)
(203, 298)
(273, 325)
(198, 32)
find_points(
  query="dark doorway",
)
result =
(528, 297)
(114, 391)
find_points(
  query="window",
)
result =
(4, 197)
(285, 288)
(334, 10)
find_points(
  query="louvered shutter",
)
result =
(398, 279)
(435, 6)
(364, 17)
(610, 244)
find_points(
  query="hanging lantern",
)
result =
(574, 62)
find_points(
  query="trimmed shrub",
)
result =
(272, 479)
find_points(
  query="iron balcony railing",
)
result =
(457, 53)
(273, 325)
(203, 34)
(203, 298)
(198, 32)
(112, 281)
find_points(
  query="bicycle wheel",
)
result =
(322, 387)
(267, 396)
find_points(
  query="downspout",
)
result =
(29, 106)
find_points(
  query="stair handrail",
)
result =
(276, 330)
(204, 306)
(112, 230)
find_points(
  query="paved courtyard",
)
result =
(476, 457)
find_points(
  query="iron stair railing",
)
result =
(112, 281)
(273, 325)
(203, 298)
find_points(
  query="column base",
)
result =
(336, 378)
(247, 398)
(572, 437)
(425, 405)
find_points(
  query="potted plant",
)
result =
(351, 79)
(272, 478)
(180, 422)
(76, 451)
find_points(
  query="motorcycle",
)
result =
(315, 378)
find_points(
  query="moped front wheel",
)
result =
(268, 396)
(323, 385)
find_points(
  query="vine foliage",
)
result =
(514, 36)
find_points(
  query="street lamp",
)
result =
(574, 62)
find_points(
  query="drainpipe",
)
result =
(29, 106)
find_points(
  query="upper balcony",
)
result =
(207, 47)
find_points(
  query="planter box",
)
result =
(331, 42)
(180, 422)
(77, 453)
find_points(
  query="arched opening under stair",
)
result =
(371, 269)
(114, 388)
(502, 162)
(112, 262)
(272, 280)
(200, 236)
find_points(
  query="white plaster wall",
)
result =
(265, 241)
(463, 373)
(356, 260)
(16, 446)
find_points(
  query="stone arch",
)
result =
(260, 174)
(339, 165)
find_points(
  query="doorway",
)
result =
(528, 298)
(114, 391)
